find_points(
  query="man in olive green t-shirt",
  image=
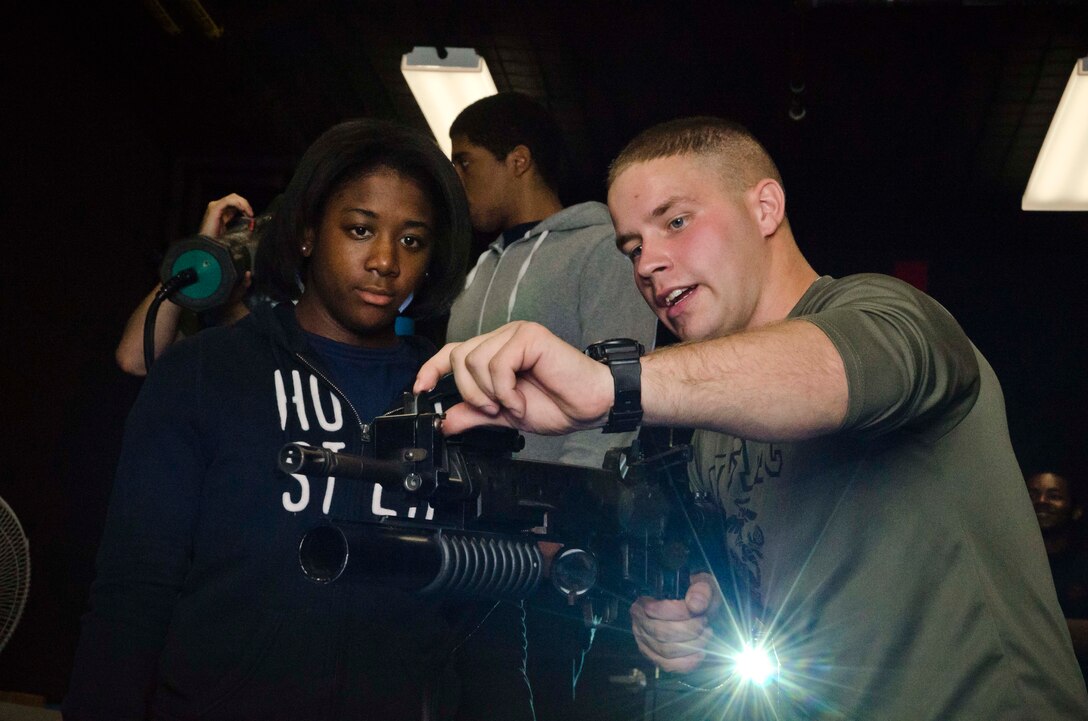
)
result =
(879, 534)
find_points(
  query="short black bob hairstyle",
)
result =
(342, 154)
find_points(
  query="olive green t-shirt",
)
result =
(896, 565)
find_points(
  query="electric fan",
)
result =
(14, 572)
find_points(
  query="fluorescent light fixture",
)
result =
(444, 87)
(1059, 180)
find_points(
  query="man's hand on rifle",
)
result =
(524, 377)
(674, 633)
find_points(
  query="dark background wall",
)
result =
(922, 123)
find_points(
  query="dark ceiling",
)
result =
(907, 105)
(956, 92)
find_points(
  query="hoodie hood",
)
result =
(576, 217)
(589, 215)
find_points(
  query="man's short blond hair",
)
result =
(728, 147)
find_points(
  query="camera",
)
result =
(220, 263)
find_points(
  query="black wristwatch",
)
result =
(621, 355)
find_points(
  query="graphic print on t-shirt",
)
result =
(737, 477)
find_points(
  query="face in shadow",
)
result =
(1053, 501)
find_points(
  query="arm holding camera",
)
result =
(130, 351)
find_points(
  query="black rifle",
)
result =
(630, 528)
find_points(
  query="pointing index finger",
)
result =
(436, 367)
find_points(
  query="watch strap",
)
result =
(622, 356)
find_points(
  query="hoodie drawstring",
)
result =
(495, 273)
(521, 274)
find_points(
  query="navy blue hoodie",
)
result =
(199, 609)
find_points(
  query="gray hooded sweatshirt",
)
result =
(567, 275)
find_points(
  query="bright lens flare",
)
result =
(754, 664)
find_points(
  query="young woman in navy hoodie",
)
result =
(200, 609)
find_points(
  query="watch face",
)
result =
(615, 349)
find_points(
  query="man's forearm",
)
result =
(782, 382)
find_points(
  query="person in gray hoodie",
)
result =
(553, 265)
